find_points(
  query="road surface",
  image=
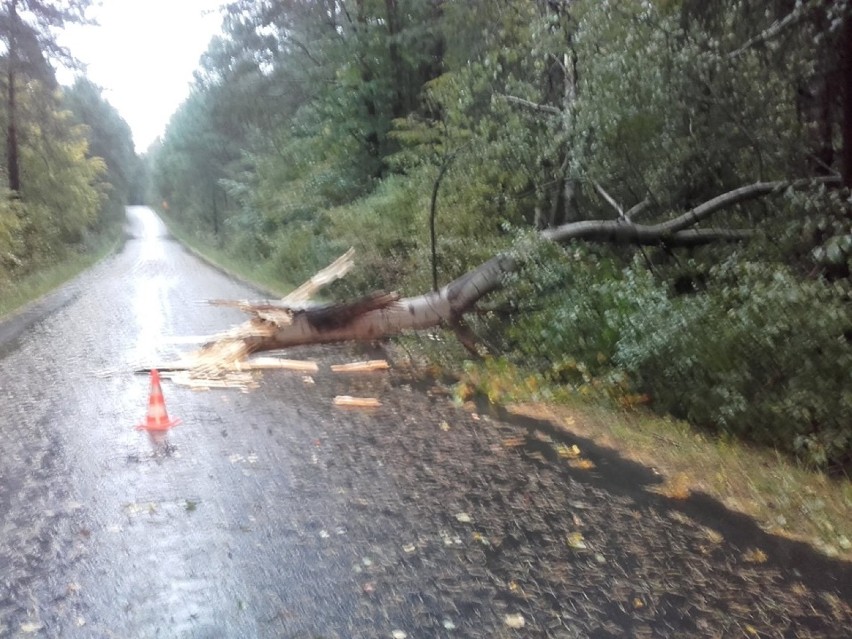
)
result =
(279, 515)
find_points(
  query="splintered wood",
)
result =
(361, 367)
(356, 402)
(266, 363)
(243, 381)
(223, 361)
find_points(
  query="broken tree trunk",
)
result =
(449, 303)
(290, 322)
(413, 313)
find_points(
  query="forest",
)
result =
(69, 165)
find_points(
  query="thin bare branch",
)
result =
(534, 106)
(617, 232)
(637, 209)
(610, 200)
(742, 194)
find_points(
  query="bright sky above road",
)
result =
(143, 54)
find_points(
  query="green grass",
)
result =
(258, 275)
(17, 293)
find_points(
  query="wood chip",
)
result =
(361, 367)
(358, 402)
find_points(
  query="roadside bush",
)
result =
(762, 354)
(573, 308)
(759, 353)
(385, 229)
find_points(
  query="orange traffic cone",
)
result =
(157, 420)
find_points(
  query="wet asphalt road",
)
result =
(278, 515)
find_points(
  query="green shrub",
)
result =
(758, 353)
(761, 354)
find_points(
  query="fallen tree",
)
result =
(293, 322)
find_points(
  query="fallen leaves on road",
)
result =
(582, 464)
(31, 627)
(676, 487)
(755, 556)
(514, 442)
(567, 452)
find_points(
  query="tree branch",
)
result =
(742, 194)
(617, 232)
(637, 209)
(775, 28)
(611, 201)
(534, 106)
(279, 326)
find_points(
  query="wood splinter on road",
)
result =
(265, 363)
(357, 402)
(361, 367)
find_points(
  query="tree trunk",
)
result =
(399, 106)
(372, 136)
(435, 64)
(846, 88)
(12, 156)
(424, 311)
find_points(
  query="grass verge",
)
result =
(260, 276)
(14, 295)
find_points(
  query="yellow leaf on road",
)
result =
(515, 621)
(31, 627)
(568, 452)
(755, 556)
(583, 464)
(575, 540)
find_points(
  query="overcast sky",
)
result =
(143, 54)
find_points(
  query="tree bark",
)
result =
(400, 93)
(846, 84)
(13, 168)
(424, 311)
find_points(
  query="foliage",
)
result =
(751, 358)
(748, 356)
(69, 156)
(109, 138)
(314, 127)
